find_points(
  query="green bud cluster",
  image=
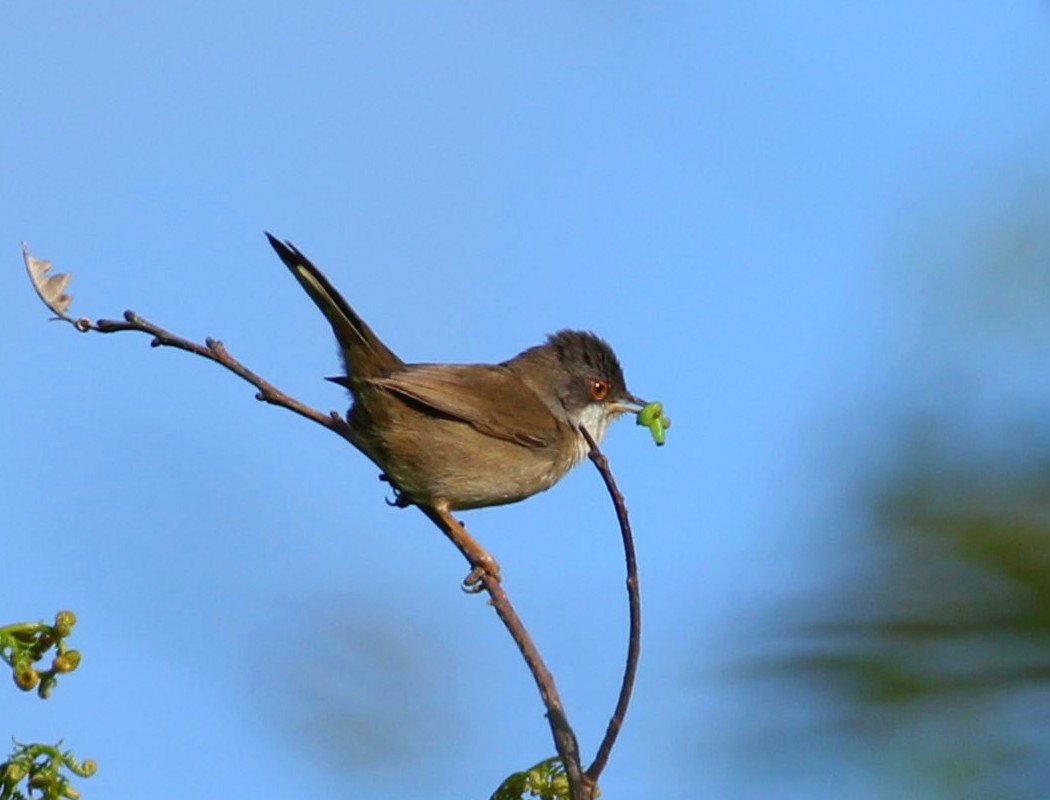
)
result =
(652, 417)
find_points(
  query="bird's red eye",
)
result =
(598, 388)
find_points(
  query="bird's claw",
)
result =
(475, 580)
(399, 501)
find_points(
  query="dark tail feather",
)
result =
(364, 355)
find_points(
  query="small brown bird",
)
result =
(460, 436)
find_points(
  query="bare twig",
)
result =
(214, 350)
(635, 604)
(561, 731)
(564, 738)
(51, 289)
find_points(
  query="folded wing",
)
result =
(510, 410)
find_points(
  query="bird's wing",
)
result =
(510, 410)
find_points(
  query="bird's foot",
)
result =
(475, 580)
(484, 571)
(399, 500)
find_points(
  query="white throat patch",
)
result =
(595, 418)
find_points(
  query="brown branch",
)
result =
(582, 784)
(51, 289)
(634, 643)
(214, 350)
(580, 788)
(561, 731)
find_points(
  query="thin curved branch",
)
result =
(214, 350)
(561, 731)
(634, 644)
(51, 289)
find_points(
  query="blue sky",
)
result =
(729, 193)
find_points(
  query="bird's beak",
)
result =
(629, 403)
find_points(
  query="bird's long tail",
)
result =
(364, 355)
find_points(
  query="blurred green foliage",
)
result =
(933, 657)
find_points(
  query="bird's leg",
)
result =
(480, 561)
